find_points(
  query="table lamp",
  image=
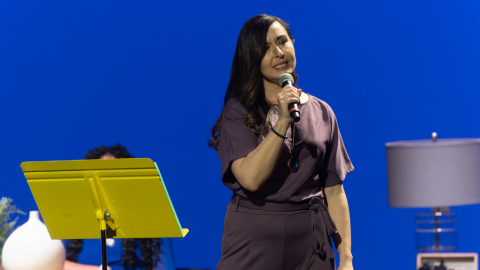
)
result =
(435, 174)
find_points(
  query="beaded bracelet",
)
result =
(276, 133)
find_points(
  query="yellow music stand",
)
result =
(121, 198)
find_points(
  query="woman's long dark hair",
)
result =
(246, 79)
(150, 247)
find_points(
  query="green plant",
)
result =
(7, 226)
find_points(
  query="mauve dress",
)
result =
(285, 225)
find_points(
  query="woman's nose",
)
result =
(278, 52)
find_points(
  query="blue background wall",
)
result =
(76, 75)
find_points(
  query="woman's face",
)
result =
(280, 55)
(107, 156)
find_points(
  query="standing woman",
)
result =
(280, 216)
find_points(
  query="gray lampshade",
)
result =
(433, 174)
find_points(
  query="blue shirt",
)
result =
(91, 254)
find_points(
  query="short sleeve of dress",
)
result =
(339, 163)
(236, 140)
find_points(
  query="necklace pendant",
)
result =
(293, 164)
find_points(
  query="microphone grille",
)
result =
(285, 77)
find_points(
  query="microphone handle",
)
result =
(293, 107)
(294, 112)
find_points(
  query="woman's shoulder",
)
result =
(234, 109)
(319, 104)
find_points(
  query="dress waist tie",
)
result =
(322, 229)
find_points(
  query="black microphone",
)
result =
(285, 79)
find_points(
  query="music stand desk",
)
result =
(126, 198)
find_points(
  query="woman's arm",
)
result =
(338, 208)
(77, 266)
(252, 171)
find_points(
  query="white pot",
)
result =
(30, 247)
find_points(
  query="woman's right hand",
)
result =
(289, 94)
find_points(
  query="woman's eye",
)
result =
(282, 42)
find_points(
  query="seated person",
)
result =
(144, 253)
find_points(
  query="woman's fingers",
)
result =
(293, 99)
(289, 94)
(288, 97)
(289, 88)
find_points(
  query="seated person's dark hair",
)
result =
(150, 247)
(117, 150)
